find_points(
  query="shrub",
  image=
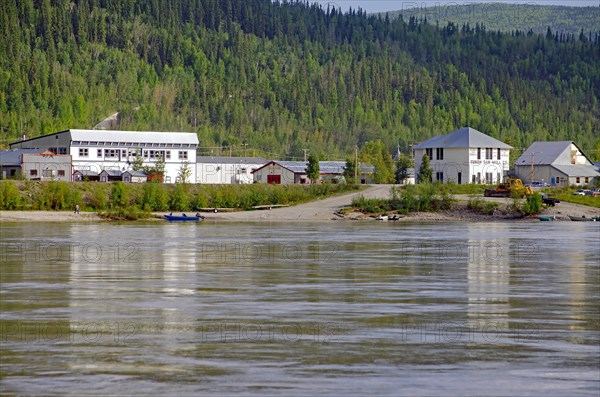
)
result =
(10, 198)
(178, 200)
(118, 195)
(533, 204)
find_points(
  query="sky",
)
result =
(394, 5)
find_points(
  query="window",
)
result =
(439, 176)
(100, 153)
(558, 179)
(183, 155)
(478, 153)
(32, 172)
(479, 177)
(499, 154)
(48, 173)
(168, 154)
(61, 172)
(62, 150)
(577, 180)
(83, 152)
(499, 177)
(489, 153)
(439, 153)
(489, 178)
(587, 180)
(111, 153)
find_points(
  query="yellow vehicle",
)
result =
(509, 187)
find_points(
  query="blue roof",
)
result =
(13, 157)
(465, 137)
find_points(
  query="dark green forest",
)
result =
(281, 77)
(510, 17)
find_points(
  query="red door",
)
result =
(274, 179)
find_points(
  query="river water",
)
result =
(338, 308)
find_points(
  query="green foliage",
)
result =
(178, 200)
(350, 170)
(184, 173)
(402, 165)
(312, 169)
(478, 205)
(375, 153)
(279, 75)
(407, 199)
(10, 198)
(533, 204)
(425, 171)
(118, 195)
(501, 17)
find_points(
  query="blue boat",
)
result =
(547, 218)
(184, 218)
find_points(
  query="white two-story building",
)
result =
(464, 156)
(94, 151)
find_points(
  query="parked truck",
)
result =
(508, 188)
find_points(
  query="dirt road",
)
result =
(318, 210)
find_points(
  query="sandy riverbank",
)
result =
(318, 211)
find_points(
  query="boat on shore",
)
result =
(547, 218)
(184, 218)
(584, 218)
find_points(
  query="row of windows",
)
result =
(124, 153)
(46, 173)
(129, 144)
(58, 150)
(489, 153)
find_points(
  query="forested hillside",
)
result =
(283, 77)
(510, 17)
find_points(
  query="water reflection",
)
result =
(340, 307)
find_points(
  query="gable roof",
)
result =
(325, 167)
(546, 153)
(13, 157)
(465, 137)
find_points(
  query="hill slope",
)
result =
(510, 17)
(283, 77)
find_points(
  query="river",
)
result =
(337, 308)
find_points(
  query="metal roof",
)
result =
(325, 167)
(86, 172)
(13, 157)
(230, 160)
(135, 173)
(465, 137)
(112, 172)
(134, 136)
(577, 170)
(546, 153)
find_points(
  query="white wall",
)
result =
(261, 176)
(226, 173)
(465, 162)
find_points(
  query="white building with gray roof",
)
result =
(219, 170)
(99, 150)
(557, 163)
(464, 156)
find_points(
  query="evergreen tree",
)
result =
(312, 169)
(425, 171)
(402, 165)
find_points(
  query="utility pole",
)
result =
(305, 152)
(532, 167)
(356, 163)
